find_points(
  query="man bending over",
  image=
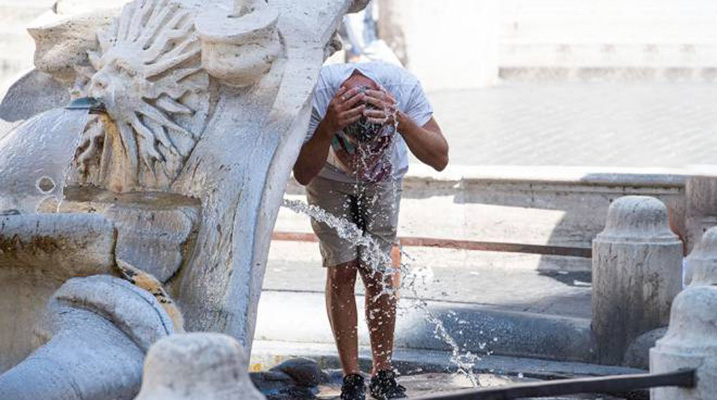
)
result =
(364, 118)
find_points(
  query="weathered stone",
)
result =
(62, 41)
(240, 45)
(304, 371)
(57, 245)
(690, 342)
(100, 329)
(38, 253)
(34, 93)
(701, 264)
(638, 354)
(271, 382)
(155, 238)
(637, 271)
(197, 366)
(189, 133)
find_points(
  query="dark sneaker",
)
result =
(383, 386)
(353, 388)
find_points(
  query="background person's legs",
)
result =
(341, 308)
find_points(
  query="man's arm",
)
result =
(425, 142)
(340, 113)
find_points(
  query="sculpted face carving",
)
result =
(148, 73)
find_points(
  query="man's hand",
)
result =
(385, 111)
(344, 109)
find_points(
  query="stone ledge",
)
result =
(461, 176)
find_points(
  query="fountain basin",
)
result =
(38, 253)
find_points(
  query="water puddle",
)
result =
(35, 159)
(412, 279)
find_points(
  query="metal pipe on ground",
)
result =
(684, 378)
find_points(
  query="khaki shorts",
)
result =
(373, 207)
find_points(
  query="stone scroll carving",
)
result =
(240, 47)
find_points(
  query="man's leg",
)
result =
(340, 259)
(379, 211)
(341, 308)
(380, 317)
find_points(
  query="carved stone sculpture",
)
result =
(206, 108)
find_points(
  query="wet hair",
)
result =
(363, 130)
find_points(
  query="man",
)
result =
(364, 118)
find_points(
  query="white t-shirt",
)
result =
(400, 83)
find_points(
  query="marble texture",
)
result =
(636, 273)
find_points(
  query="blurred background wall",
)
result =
(464, 44)
(453, 44)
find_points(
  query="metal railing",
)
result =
(685, 378)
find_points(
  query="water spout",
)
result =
(95, 106)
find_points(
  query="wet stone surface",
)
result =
(303, 379)
(435, 383)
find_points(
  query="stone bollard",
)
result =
(208, 366)
(690, 342)
(701, 264)
(637, 271)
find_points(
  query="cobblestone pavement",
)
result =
(581, 124)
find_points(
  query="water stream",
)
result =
(52, 138)
(411, 279)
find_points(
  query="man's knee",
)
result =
(342, 276)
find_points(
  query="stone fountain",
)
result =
(205, 106)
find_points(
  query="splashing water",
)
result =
(380, 262)
(36, 158)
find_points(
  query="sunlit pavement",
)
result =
(498, 310)
(581, 124)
